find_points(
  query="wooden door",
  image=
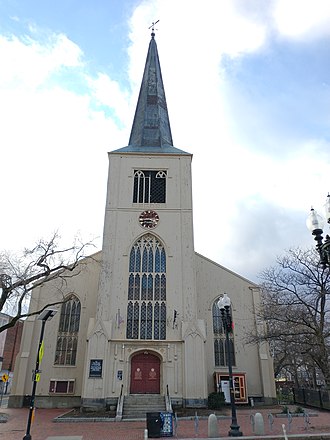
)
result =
(145, 374)
(239, 383)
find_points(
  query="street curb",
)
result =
(318, 436)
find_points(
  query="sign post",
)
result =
(4, 379)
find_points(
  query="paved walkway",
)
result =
(44, 426)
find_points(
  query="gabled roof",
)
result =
(151, 131)
(235, 274)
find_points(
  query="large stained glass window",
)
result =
(146, 308)
(67, 336)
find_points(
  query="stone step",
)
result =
(136, 406)
(131, 409)
(142, 408)
(149, 403)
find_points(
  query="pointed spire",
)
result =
(151, 125)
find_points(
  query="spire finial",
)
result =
(152, 27)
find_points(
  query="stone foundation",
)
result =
(45, 401)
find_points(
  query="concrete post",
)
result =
(259, 428)
(212, 426)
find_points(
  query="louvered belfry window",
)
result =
(146, 308)
(67, 336)
(219, 339)
(149, 186)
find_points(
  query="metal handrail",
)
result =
(168, 400)
(120, 404)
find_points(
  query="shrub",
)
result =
(216, 400)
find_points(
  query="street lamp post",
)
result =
(315, 224)
(44, 316)
(224, 306)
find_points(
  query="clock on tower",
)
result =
(148, 219)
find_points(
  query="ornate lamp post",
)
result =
(315, 224)
(224, 306)
(44, 316)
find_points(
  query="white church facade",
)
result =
(142, 315)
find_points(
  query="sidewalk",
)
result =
(44, 426)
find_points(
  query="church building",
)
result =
(142, 315)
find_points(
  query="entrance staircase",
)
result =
(137, 405)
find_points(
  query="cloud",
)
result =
(260, 225)
(302, 19)
(54, 139)
(109, 94)
(29, 63)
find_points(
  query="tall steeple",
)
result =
(151, 125)
(151, 130)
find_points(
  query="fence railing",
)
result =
(315, 398)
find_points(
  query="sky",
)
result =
(248, 90)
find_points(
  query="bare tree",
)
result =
(296, 298)
(45, 262)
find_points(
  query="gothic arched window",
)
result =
(67, 335)
(149, 186)
(146, 308)
(219, 339)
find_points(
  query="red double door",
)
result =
(145, 374)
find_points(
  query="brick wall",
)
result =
(12, 345)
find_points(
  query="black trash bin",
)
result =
(154, 424)
(27, 401)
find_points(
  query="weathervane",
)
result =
(152, 27)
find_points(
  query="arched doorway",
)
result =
(145, 374)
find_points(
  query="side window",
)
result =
(149, 186)
(67, 335)
(219, 339)
(62, 386)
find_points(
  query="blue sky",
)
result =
(247, 86)
(99, 27)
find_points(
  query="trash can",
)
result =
(154, 424)
(26, 401)
(167, 424)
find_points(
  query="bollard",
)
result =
(259, 424)
(196, 420)
(176, 425)
(306, 420)
(289, 421)
(270, 421)
(284, 432)
(212, 426)
(145, 434)
(252, 421)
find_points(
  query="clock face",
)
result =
(148, 219)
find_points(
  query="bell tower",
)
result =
(146, 331)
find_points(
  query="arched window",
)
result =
(219, 339)
(149, 186)
(146, 308)
(67, 335)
